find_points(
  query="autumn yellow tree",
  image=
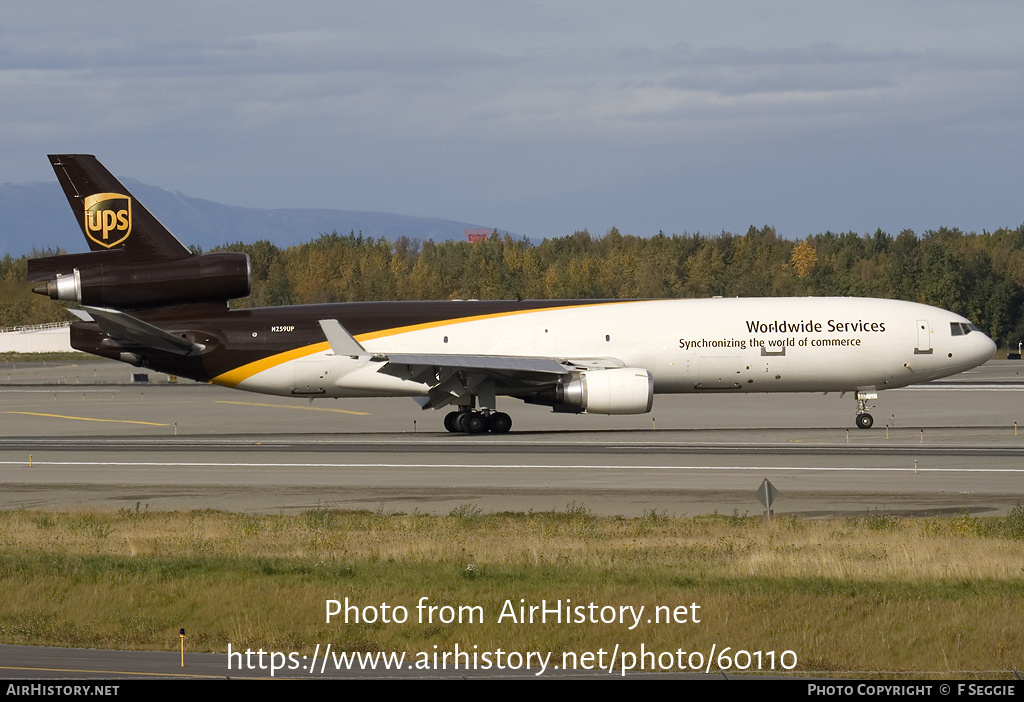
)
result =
(804, 258)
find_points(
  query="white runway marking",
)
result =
(958, 388)
(475, 466)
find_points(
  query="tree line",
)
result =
(980, 276)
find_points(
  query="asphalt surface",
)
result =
(77, 434)
(84, 434)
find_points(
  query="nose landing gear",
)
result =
(865, 420)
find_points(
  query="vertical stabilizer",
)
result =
(109, 215)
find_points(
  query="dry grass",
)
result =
(876, 594)
(903, 550)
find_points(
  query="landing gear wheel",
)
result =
(499, 423)
(475, 423)
(865, 421)
(450, 422)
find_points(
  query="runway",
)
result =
(80, 435)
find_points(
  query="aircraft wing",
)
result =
(498, 364)
(454, 376)
(451, 376)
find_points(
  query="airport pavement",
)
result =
(82, 433)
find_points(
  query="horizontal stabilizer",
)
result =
(124, 327)
(81, 314)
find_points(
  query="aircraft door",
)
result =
(719, 373)
(924, 337)
(310, 378)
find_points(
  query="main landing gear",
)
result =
(477, 422)
(865, 420)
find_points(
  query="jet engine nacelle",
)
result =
(610, 391)
(215, 277)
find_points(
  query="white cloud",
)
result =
(566, 103)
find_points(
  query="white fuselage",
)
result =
(689, 346)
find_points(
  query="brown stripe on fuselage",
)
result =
(242, 342)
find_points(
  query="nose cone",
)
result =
(984, 349)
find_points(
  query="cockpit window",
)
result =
(961, 328)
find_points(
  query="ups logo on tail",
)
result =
(108, 218)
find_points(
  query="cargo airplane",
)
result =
(147, 300)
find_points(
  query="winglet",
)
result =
(342, 343)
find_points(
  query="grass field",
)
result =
(873, 596)
(54, 356)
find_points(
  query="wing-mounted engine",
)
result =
(607, 391)
(106, 279)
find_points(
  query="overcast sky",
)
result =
(538, 117)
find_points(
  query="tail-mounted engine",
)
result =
(105, 279)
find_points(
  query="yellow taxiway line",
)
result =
(88, 419)
(294, 407)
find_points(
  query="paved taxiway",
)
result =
(93, 439)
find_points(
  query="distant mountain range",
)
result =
(36, 216)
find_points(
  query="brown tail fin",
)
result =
(109, 215)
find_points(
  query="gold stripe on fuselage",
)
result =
(235, 376)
